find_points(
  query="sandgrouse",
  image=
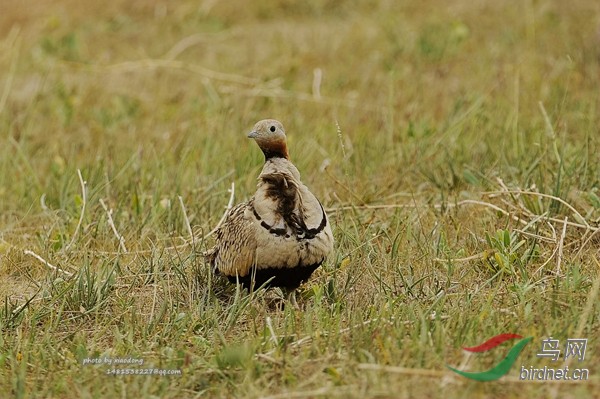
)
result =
(282, 234)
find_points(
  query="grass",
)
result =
(455, 146)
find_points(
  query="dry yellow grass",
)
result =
(454, 143)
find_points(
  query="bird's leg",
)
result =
(291, 298)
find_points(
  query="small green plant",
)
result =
(508, 253)
(89, 290)
(11, 314)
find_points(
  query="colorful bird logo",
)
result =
(503, 366)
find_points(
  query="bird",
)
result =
(282, 234)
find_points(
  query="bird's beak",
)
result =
(252, 135)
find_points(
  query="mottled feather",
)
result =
(282, 233)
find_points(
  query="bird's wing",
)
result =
(311, 212)
(235, 251)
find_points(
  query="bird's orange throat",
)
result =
(274, 149)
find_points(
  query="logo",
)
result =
(574, 349)
(503, 366)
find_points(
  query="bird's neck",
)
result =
(275, 149)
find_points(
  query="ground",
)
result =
(454, 145)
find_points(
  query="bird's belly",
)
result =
(288, 278)
(288, 252)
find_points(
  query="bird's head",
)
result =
(270, 137)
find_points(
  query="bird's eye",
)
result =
(272, 128)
